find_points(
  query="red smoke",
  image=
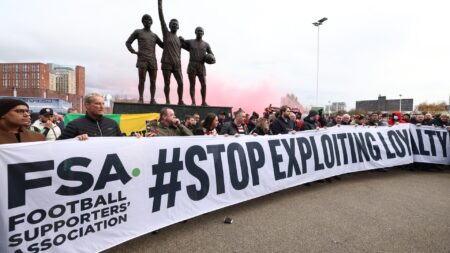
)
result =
(249, 97)
(219, 92)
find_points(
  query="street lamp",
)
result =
(400, 95)
(329, 108)
(318, 24)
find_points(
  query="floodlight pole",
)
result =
(318, 24)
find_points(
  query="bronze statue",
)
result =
(200, 52)
(171, 57)
(146, 59)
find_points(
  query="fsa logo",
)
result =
(18, 184)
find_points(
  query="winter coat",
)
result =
(24, 135)
(391, 122)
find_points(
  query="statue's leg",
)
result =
(192, 87)
(202, 79)
(142, 71)
(179, 77)
(166, 76)
(152, 73)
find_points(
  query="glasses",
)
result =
(22, 111)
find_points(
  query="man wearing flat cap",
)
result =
(14, 121)
(46, 126)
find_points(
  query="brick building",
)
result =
(385, 105)
(43, 81)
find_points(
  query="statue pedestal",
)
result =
(180, 110)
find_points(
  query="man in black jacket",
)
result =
(310, 122)
(282, 125)
(93, 124)
(236, 126)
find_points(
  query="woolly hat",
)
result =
(312, 113)
(6, 104)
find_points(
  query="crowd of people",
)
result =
(16, 125)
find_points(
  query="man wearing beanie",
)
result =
(14, 120)
(309, 122)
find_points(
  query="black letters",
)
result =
(197, 172)
(112, 160)
(290, 150)
(17, 184)
(216, 150)
(64, 172)
(276, 160)
(327, 151)
(305, 151)
(252, 148)
(238, 185)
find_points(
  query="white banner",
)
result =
(87, 196)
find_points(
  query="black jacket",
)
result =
(281, 126)
(308, 124)
(231, 129)
(438, 122)
(91, 127)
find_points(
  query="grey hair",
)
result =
(88, 97)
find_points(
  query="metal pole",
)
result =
(400, 102)
(317, 77)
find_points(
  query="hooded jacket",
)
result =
(392, 122)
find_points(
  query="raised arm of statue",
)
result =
(164, 28)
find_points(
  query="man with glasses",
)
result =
(46, 126)
(14, 121)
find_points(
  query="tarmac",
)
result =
(396, 211)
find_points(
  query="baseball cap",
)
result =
(46, 111)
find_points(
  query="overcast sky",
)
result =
(264, 49)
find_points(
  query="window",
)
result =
(25, 83)
(5, 82)
(17, 67)
(25, 67)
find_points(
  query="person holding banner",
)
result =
(14, 121)
(93, 124)
(396, 119)
(209, 125)
(311, 121)
(262, 127)
(235, 127)
(170, 125)
(283, 124)
(441, 121)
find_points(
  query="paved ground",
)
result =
(398, 211)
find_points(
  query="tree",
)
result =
(353, 111)
(431, 107)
